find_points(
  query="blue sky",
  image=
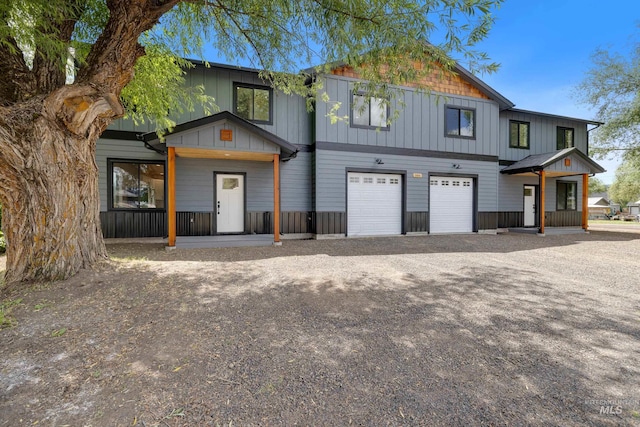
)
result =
(545, 47)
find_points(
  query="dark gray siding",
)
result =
(331, 178)
(118, 149)
(296, 183)
(208, 137)
(543, 136)
(420, 124)
(290, 118)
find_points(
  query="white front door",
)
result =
(529, 206)
(230, 203)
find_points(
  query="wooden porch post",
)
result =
(171, 199)
(543, 180)
(585, 201)
(276, 199)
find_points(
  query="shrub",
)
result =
(3, 243)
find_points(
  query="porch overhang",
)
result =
(567, 162)
(208, 153)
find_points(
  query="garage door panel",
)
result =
(451, 205)
(374, 204)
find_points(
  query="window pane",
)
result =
(524, 135)
(569, 138)
(244, 102)
(453, 123)
(261, 105)
(230, 183)
(466, 122)
(378, 113)
(125, 185)
(151, 186)
(562, 196)
(360, 111)
(571, 196)
(513, 134)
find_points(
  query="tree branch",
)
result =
(17, 82)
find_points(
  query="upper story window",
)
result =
(460, 122)
(518, 134)
(565, 138)
(369, 112)
(136, 184)
(253, 103)
(566, 195)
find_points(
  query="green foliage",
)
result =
(626, 186)
(3, 243)
(6, 307)
(611, 87)
(382, 39)
(596, 186)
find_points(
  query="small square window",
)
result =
(394, 181)
(565, 138)
(230, 183)
(445, 182)
(433, 182)
(456, 183)
(381, 180)
(460, 122)
(253, 103)
(368, 180)
(518, 134)
(354, 179)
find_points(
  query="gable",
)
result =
(438, 81)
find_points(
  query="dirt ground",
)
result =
(435, 330)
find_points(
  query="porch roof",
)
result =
(285, 148)
(551, 163)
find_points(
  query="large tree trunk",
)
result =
(49, 178)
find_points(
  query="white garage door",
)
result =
(450, 205)
(374, 204)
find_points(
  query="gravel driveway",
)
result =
(435, 330)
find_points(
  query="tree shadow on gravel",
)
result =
(231, 344)
(504, 243)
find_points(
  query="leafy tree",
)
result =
(49, 124)
(626, 186)
(612, 86)
(596, 186)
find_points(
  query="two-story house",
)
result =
(460, 159)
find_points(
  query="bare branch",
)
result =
(17, 82)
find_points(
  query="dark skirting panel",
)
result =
(416, 222)
(125, 224)
(510, 219)
(331, 223)
(487, 220)
(193, 223)
(563, 219)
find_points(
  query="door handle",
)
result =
(218, 207)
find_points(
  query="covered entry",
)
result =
(554, 166)
(220, 191)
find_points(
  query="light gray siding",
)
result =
(511, 192)
(195, 186)
(118, 149)
(577, 166)
(296, 183)
(209, 137)
(542, 134)
(290, 117)
(331, 177)
(420, 125)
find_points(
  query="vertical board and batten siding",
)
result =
(208, 137)
(118, 149)
(420, 125)
(290, 116)
(331, 169)
(542, 134)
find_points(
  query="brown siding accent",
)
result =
(563, 219)
(437, 80)
(416, 222)
(487, 220)
(331, 223)
(510, 219)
